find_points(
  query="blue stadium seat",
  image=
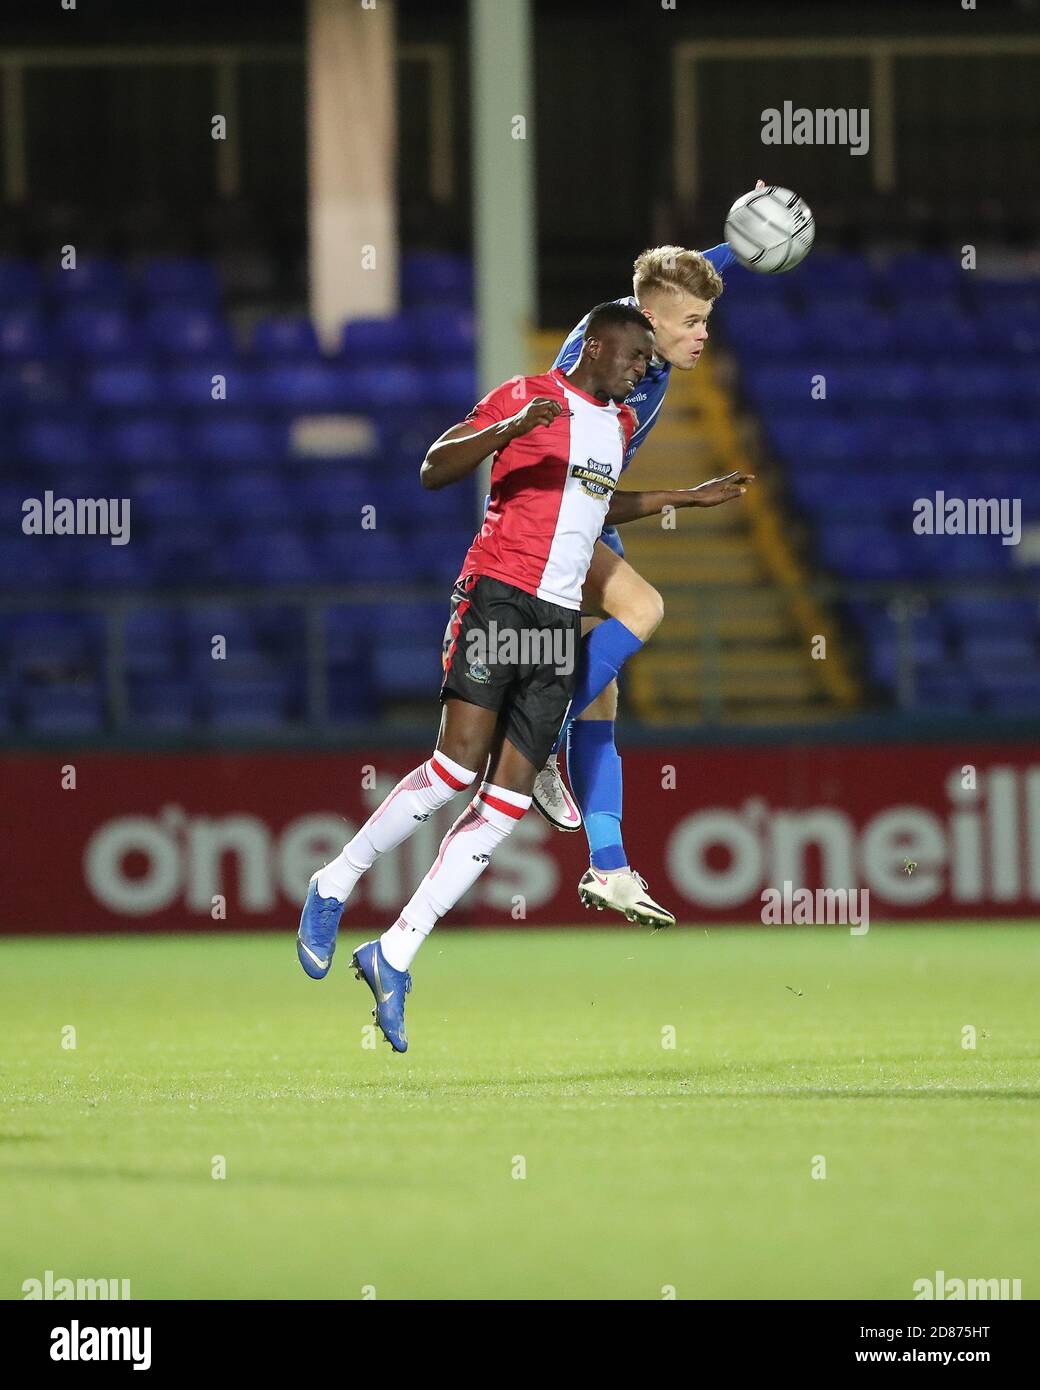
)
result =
(98, 563)
(764, 330)
(988, 651)
(34, 384)
(918, 272)
(883, 657)
(351, 698)
(996, 616)
(862, 552)
(923, 328)
(380, 340)
(285, 335)
(365, 557)
(249, 703)
(408, 669)
(431, 277)
(50, 646)
(85, 331)
(336, 497)
(437, 552)
(20, 283)
(309, 386)
(162, 705)
(186, 330)
(159, 496)
(45, 440)
(75, 708)
(149, 440)
(272, 557)
(153, 642)
(95, 279)
(236, 625)
(848, 326)
(374, 388)
(835, 272)
(231, 438)
(812, 438)
(1009, 692)
(444, 334)
(123, 384)
(246, 499)
(194, 384)
(23, 333)
(454, 389)
(950, 690)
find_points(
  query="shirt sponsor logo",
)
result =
(595, 479)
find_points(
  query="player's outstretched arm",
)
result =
(462, 448)
(632, 506)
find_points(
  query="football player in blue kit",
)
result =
(676, 289)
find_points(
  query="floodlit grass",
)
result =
(646, 1166)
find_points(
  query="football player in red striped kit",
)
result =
(511, 645)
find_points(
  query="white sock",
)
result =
(463, 857)
(425, 789)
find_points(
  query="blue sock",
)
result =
(594, 771)
(603, 653)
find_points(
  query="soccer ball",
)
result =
(770, 229)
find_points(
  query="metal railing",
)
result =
(901, 602)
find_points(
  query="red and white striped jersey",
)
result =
(550, 488)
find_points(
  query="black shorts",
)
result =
(506, 650)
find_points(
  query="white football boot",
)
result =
(624, 891)
(552, 798)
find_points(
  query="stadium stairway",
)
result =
(737, 636)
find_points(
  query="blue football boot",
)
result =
(316, 939)
(389, 987)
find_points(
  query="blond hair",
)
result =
(673, 269)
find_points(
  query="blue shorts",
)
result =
(609, 536)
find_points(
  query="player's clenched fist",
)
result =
(540, 411)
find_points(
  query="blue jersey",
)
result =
(648, 397)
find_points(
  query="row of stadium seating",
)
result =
(52, 664)
(930, 380)
(427, 278)
(86, 333)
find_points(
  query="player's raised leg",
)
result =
(614, 590)
(462, 747)
(539, 696)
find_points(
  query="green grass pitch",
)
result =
(351, 1169)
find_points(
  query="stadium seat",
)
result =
(185, 330)
(123, 384)
(20, 284)
(230, 438)
(148, 440)
(289, 336)
(386, 340)
(161, 705)
(61, 709)
(23, 333)
(248, 704)
(95, 279)
(85, 331)
(435, 278)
